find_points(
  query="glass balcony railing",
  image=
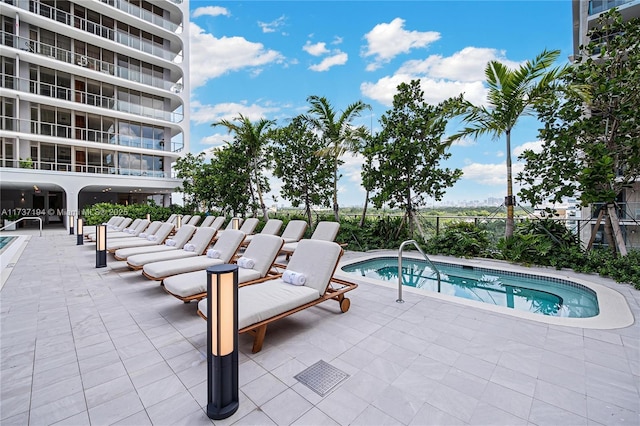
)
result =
(99, 30)
(143, 14)
(597, 6)
(85, 168)
(64, 130)
(86, 98)
(86, 62)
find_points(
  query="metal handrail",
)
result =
(415, 244)
(24, 218)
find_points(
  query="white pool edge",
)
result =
(10, 256)
(614, 309)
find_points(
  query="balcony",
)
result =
(65, 131)
(66, 18)
(83, 61)
(84, 168)
(598, 6)
(86, 98)
(143, 14)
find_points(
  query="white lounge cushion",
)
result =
(262, 301)
(227, 245)
(201, 239)
(138, 260)
(294, 231)
(193, 283)
(183, 235)
(124, 253)
(161, 234)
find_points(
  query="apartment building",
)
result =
(585, 14)
(94, 103)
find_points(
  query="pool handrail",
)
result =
(415, 244)
(21, 219)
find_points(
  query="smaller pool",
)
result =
(5, 241)
(524, 292)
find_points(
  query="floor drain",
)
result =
(321, 377)
(10, 265)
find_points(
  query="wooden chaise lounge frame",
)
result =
(259, 329)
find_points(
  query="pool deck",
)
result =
(81, 345)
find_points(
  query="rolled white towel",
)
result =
(170, 242)
(213, 254)
(143, 235)
(295, 278)
(189, 247)
(152, 237)
(129, 231)
(111, 227)
(246, 262)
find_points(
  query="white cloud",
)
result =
(217, 139)
(207, 114)
(337, 58)
(211, 11)
(435, 91)
(273, 26)
(489, 174)
(535, 146)
(499, 154)
(464, 142)
(386, 41)
(441, 77)
(316, 49)
(466, 65)
(212, 57)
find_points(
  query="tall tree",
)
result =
(190, 169)
(306, 177)
(592, 150)
(408, 151)
(338, 134)
(251, 139)
(230, 179)
(513, 93)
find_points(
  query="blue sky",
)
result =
(264, 58)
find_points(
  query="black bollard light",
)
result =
(71, 224)
(101, 246)
(222, 341)
(80, 231)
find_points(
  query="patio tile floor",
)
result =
(81, 345)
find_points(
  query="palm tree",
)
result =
(254, 140)
(337, 132)
(512, 93)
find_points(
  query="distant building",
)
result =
(585, 14)
(94, 102)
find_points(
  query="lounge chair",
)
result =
(272, 227)
(176, 242)
(217, 222)
(172, 218)
(263, 251)
(294, 231)
(230, 224)
(208, 220)
(325, 231)
(247, 228)
(91, 229)
(194, 220)
(225, 248)
(156, 238)
(196, 246)
(133, 230)
(261, 304)
(113, 228)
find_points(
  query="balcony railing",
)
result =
(69, 57)
(625, 211)
(142, 14)
(597, 6)
(85, 168)
(65, 131)
(99, 30)
(86, 98)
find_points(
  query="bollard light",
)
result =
(101, 246)
(222, 341)
(71, 222)
(235, 223)
(80, 232)
(149, 217)
(179, 222)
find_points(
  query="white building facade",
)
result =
(94, 103)
(585, 15)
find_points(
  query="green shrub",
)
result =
(619, 268)
(462, 239)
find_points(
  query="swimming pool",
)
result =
(5, 241)
(515, 290)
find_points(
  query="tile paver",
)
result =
(81, 345)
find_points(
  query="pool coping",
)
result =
(10, 255)
(614, 308)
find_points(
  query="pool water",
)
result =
(4, 241)
(525, 292)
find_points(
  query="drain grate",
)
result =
(321, 377)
